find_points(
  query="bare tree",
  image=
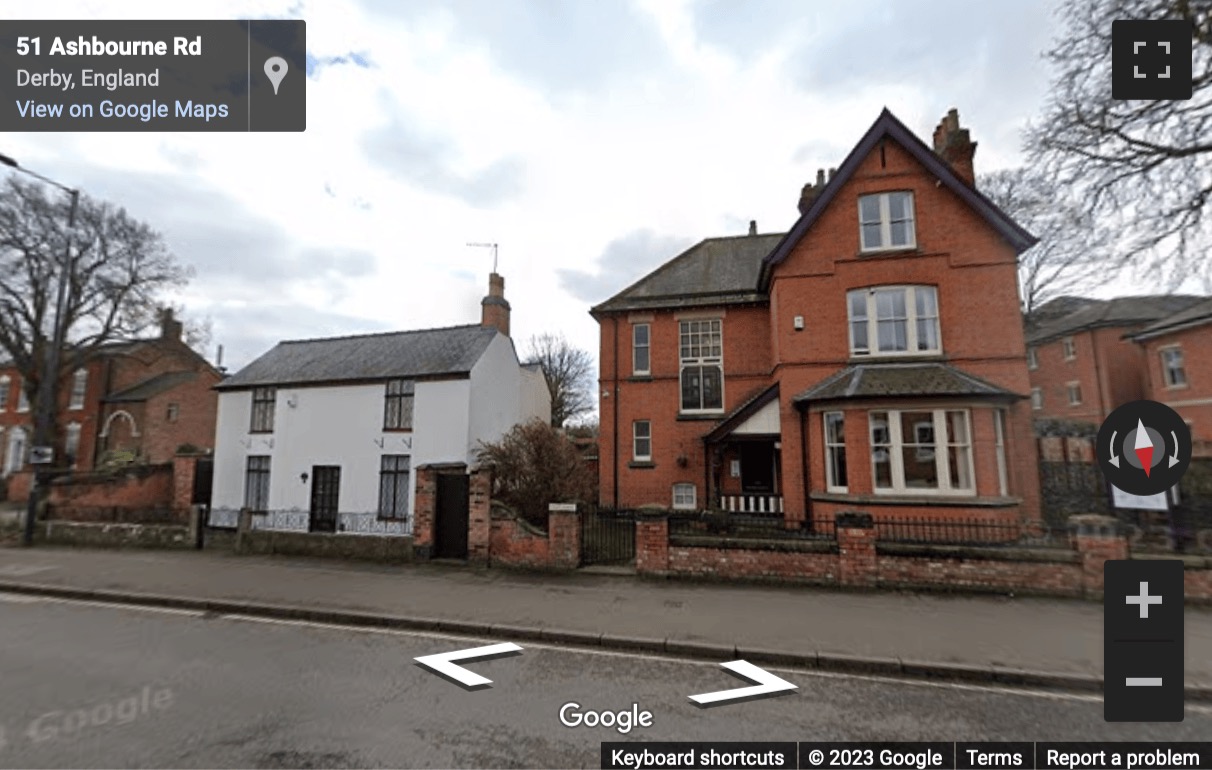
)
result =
(1143, 168)
(569, 374)
(1072, 249)
(117, 270)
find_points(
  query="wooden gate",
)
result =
(452, 517)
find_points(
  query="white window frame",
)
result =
(1182, 367)
(636, 438)
(1037, 399)
(16, 445)
(942, 441)
(6, 388)
(999, 439)
(1074, 388)
(830, 445)
(1069, 348)
(79, 389)
(636, 370)
(679, 490)
(687, 328)
(22, 396)
(911, 320)
(71, 441)
(885, 222)
(249, 492)
(1032, 358)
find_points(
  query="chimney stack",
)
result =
(170, 327)
(955, 145)
(753, 227)
(810, 192)
(494, 309)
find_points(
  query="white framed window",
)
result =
(1037, 399)
(685, 497)
(701, 355)
(14, 456)
(926, 452)
(999, 436)
(641, 441)
(835, 452)
(256, 483)
(79, 389)
(22, 397)
(1174, 370)
(1032, 359)
(641, 353)
(886, 221)
(71, 442)
(394, 473)
(1074, 389)
(398, 405)
(1069, 347)
(6, 389)
(173, 412)
(894, 320)
(263, 402)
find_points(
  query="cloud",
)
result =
(624, 261)
(255, 328)
(357, 58)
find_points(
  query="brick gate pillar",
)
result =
(185, 468)
(856, 549)
(424, 509)
(563, 536)
(479, 515)
(1097, 539)
(652, 543)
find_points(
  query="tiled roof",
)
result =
(1193, 315)
(150, 387)
(422, 353)
(715, 271)
(889, 380)
(1121, 311)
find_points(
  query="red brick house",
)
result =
(1177, 352)
(871, 358)
(142, 399)
(1082, 365)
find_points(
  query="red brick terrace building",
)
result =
(871, 358)
(1178, 367)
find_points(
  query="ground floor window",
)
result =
(14, 456)
(684, 497)
(393, 486)
(835, 451)
(256, 483)
(999, 427)
(921, 451)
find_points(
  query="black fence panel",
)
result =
(607, 537)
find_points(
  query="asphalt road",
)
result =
(85, 685)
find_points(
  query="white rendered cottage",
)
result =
(325, 435)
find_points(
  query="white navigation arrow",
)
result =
(1174, 457)
(767, 685)
(444, 664)
(1114, 457)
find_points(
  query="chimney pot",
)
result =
(753, 227)
(832, 171)
(820, 177)
(955, 145)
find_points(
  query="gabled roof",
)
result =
(749, 406)
(889, 126)
(716, 271)
(1196, 314)
(150, 387)
(1097, 314)
(893, 380)
(425, 353)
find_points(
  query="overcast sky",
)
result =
(592, 139)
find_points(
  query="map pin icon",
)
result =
(275, 70)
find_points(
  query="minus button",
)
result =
(1143, 681)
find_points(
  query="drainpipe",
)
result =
(615, 464)
(804, 467)
(1098, 379)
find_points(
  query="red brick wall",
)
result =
(1194, 401)
(426, 506)
(514, 543)
(1109, 368)
(479, 516)
(148, 488)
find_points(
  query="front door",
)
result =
(325, 496)
(757, 468)
(450, 527)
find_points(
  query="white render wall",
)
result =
(503, 394)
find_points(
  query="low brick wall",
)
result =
(377, 548)
(19, 485)
(114, 535)
(513, 542)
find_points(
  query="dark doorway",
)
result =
(204, 475)
(325, 497)
(451, 521)
(757, 467)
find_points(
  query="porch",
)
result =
(744, 455)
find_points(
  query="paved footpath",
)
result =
(1062, 637)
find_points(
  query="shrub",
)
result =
(534, 465)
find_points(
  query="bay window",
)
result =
(921, 452)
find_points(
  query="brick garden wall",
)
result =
(517, 543)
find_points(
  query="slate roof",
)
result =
(150, 387)
(1193, 315)
(411, 354)
(1121, 311)
(716, 271)
(891, 380)
(888, 125)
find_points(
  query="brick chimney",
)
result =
(170, 327)
(811, 191)
(494, 309)
(753, 227)
(955, 146)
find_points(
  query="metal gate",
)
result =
(204, 475)
(607, 537)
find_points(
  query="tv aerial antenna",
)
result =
(492, 246)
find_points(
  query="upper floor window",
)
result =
(1032, 359)
(641, 441)
(1174, 371)
(6, 387)
(173, 412)
(1075, 393)
(894, 320)
(702, 366)
(886, 221)
(22, 397)
(263, 400)
(1037, 398)
(79, 388)
(640, 349)
(397, 405)
(1070, 348)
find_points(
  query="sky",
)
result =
(592, 140)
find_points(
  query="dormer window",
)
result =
(886, 221)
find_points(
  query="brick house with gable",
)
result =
(1177, 353)
(871, 358)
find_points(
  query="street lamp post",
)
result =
(44, 420)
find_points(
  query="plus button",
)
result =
(1144, 600)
